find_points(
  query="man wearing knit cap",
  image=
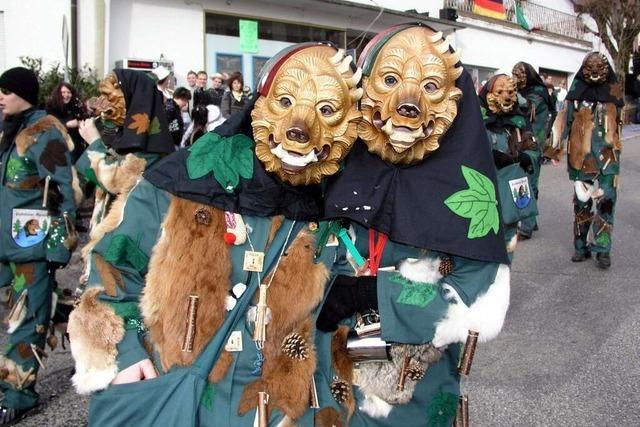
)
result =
(37, 210)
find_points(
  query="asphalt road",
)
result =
(569, 353)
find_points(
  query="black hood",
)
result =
(408, 202)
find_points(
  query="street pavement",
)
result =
(568, 354)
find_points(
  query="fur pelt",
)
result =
(580, 137)
(12, 374)
(556, 149)
(485, 315)
(94, 331)
(296, 290)
(328, 417)
(189, 259)
(611, 116)
(343, 366)
(110, 276)
(121, 178)
(27, 137)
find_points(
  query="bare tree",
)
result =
(617, 25)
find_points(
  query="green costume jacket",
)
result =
(418, 305)
(37, 196)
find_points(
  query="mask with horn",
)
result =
(305, 121)
(110, 105)
(410, 94)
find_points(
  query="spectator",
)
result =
(198, 126)
(65, 105)
(217, 91)
(200, 95)
(235, 99)
(191, 85)
(173, 109)
(163, 75)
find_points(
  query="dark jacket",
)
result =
(231, 105)
(174, 119)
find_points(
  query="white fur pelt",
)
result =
(485, 316)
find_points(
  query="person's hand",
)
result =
(72, 124)
(88, 131)
(142, 370)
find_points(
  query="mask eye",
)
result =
(430, 87)
(285, 102)
(390, 81)
(326, 110)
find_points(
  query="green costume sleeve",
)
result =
(54, 165)
(418, 305)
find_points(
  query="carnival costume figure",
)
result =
(209, 285)
(593, 107)
(514, 153)
(417, 192)
(540, 109)
(37, 211)
(131, 135)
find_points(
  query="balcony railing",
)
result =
(542, 18)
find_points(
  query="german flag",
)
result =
(490, 8)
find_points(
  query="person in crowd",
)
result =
(36, 190)
(65, 105)
(234, 100)
(191, 85)
(514, 153)
(220, 278)
(217, 89)
(200, 95)
(423, 259)
(163, 75)
(594, 104)
(174, 108)
(197, 127)
(541, 110)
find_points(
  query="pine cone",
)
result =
(416, 371)
(40, 329)
(295, 346)
(446, 266)
(340, 390)
(203, 216)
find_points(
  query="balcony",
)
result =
(543, 18)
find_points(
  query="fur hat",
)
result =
(23, 82)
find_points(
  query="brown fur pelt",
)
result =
(296, 290)
(342, 364)
(611, 116)
(27, 137)
(580, 137)
(110, 277)
(12, 374)
(94, 331)
(189, 259)
(328, 417)
(555, 150)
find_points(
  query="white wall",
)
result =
(34, 28)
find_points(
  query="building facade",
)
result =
(205, 34)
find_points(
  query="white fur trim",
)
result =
(424, 270)
(87, 381)
(485, 316)
(375, 407)
(584, 191)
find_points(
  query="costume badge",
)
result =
(253, 261)
(29, 226)
(234, 343)
(521, 192)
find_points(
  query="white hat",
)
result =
(161, 72)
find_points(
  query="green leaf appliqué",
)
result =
(418, 294)
(478, 203)
(207, 396)
(228, 159)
